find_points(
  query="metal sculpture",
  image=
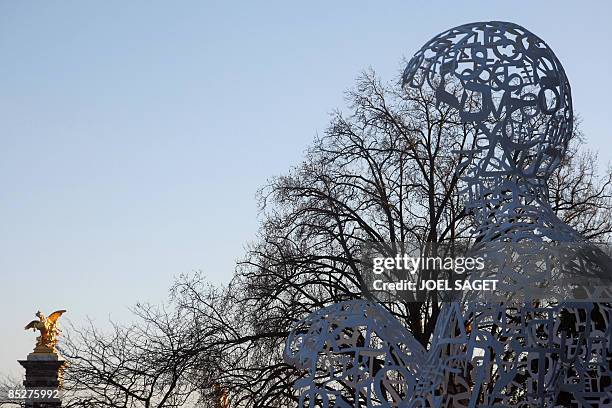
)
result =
(510, 87)
(354, 352)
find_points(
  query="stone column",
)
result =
(43, 372)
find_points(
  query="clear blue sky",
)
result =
(134, 135)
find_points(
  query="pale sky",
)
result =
(134, 135)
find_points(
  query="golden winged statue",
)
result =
(49, 331)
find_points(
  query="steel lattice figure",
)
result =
(509, 85)
(354, 350)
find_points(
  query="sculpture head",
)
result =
(508, 84)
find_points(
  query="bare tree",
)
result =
(580, 195)
(239, 356)
(387, 171)
(143, 364)
(8, 384)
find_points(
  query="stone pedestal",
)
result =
(43, 372)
